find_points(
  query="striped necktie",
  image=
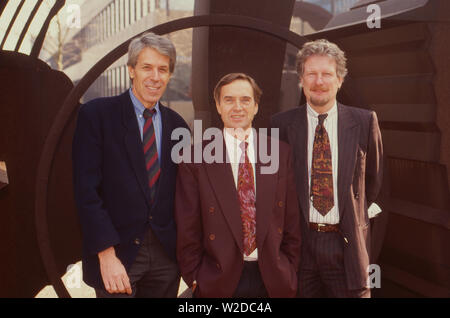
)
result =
(151, 152)
(321, 172)
(247, 199)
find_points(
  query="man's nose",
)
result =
(238, 106)
(319, 79)
(155, 75)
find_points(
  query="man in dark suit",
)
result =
(337, 152)
(238, 227)
(124, 180)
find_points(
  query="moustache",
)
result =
(320, 89)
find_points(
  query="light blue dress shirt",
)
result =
(157, 122)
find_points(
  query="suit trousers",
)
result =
(152, 275)
(250, 284)
(322, 272)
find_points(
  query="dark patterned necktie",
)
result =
(321, 170)
(151, 152)
(247, 198)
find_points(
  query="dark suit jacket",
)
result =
(111, 183)
(210, 237)
(359, 178)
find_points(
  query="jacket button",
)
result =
(280, 204)
(137, 241)
(280, 230)
(211, 209)
(150, 217)
(212, 237)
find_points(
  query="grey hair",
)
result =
(322, 47)
(150, 40)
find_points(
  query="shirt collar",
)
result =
(138, 106)
(231, 140)
(233, 149)
(313, 113)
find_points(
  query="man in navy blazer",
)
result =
(126, 213)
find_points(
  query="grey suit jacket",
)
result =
(359, 178)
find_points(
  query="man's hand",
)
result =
(113, 272)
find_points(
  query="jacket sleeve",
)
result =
(98, 230)
(374, 163)
(189, 223)
(277, 123)
(292, 237)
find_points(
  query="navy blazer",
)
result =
(111, 183)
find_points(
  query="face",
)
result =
(150, 76)
(237, 105)
(320, 82)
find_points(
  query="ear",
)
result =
(256, 108)
(131, 71)
(219, 109)
(341, 80)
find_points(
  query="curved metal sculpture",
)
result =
(314, 14)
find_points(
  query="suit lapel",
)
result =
(133, 144)
(298, 139)
(227, 196)
(266, 185)
(222, 182)
(347, 138)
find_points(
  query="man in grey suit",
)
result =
(338, 154)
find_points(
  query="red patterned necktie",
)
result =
(151, 152)
(321, 170)
(246, 193)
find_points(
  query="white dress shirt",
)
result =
(331, 126)
(234, 154)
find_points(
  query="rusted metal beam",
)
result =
(314, 14)
(3, 6)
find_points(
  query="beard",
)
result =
(319, 102)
